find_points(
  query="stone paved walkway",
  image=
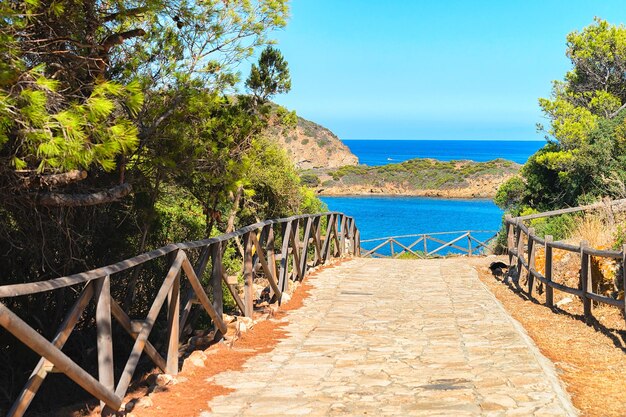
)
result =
(398, 338)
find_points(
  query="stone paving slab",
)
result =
(397, 338)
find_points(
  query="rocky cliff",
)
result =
(311, 146)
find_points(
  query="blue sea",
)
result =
(383, 152)
(379, 217)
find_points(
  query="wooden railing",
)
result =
(301, 246)
(522, 244)
(458, 242)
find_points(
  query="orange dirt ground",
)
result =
(590, 359)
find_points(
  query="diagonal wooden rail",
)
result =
(305, 241)
(419, 246)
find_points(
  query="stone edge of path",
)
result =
(546, 364)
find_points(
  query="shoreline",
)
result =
(438, 196)
(452, 193)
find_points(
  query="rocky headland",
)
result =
(327, 165)
(311, 146)
(416, 177)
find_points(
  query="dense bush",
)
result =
(585, 156)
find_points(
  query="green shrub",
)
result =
(310, 179)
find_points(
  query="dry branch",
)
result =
(54, 180)
(80, 200)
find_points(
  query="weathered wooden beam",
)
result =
(317, 239)
(248, 276)
(330, 220)
(585, 280)
(40, 372)
(531, 260)
(406, 249)
(173, 317)
(266, 267)
(188, 301)
(104, 337)
(371, 251)
(549, 267)
(38, 344)
(294, 239)
(142, 337)
(308, 230)
(284, 262)
(202, 297)
(445, 244)
(127, 324)
(520, 251)
(216, 284)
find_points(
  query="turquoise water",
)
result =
(383, 152)
(378, 216)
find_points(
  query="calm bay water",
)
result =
(383, 152)
(378, 216)
(392, 216)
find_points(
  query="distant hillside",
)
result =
(311, 146)
(419, 177)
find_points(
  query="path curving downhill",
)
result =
(397, 338)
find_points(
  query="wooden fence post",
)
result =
(425, 246)
(531, 260)
(173, 313)
(342, 236)
(284, 260)
(216, 284)
(584, 279)
(624, 275)
(248, 280)
(549, 289)
(509, 236)
(104, 338)
(469, 243)
(304, 254)
(520, 251)
(271, 256)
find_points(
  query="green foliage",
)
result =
(310, 179)
(140, 94)
(510, 194)
(559, 227)
(423, 173)
(619, 238)
(271, 76)
(585, 157)
(323, 142)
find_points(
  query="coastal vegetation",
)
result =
(584, 158)
(416, 177)
(585, 154)
(122, 129)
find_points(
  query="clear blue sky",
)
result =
(446, 69)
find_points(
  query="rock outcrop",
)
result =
(311, 146)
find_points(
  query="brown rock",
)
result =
(165, 379)
(196, 359)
